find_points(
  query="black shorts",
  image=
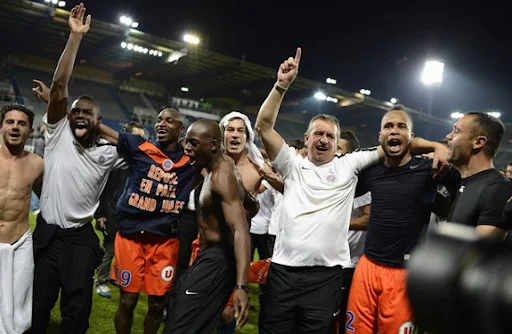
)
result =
(300, 300)
(202, 292)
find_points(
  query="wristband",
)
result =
(242, 287)
(280, 89)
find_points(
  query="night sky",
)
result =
(381, 48)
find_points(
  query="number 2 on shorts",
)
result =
(350, 320)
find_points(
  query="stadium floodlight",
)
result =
(330, 81)
(134, 24)
(432, 74)
(393, 100)
(61, 3)
(123, 45)
(331, 99)
(496, 114)
(47, 1)
(184, 89)
(191, 39)
(320, 96)
(365, 91)
(456, 115)
(127, 21)
(129, 46)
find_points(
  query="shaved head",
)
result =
(206, 128)
(203, 142)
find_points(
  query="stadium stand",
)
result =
(121, 79)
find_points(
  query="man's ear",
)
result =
(479, 142)
(215, 145)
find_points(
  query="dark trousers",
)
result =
(187, 227)
(268, 245)
(202, 292)
(261, 242)
(300, 300)
(106, 263)
(65, 261)
(348, 274)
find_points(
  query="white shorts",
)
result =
(16, 281)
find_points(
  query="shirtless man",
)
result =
(239, 145)
(20, 171)
(223, 262)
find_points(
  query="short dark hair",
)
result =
(509, 164)
(351, 138)
(403, 109)
(297, 144)
(19, 107)
(90, 99)
(489, 127)
(130, 126)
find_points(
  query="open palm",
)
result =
(76, 20)
(289, 69)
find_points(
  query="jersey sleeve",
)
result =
(285, 160)
(492, 204)
(363, 159)
(363, 200)
(128, 143)
(54, 131)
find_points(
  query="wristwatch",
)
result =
(242, 287)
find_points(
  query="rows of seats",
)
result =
(113, 107)
(100, 92)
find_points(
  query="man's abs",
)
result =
(13, 216)
(12, 231)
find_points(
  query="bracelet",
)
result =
(242, 287)
(280, 89)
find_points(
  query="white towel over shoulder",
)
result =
(16, 282)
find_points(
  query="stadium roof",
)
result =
(32, 27)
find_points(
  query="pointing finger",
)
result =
(298, 54)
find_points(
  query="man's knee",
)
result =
(128, 301)
(156, 304)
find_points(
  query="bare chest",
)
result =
(251, 177)
(16, 177)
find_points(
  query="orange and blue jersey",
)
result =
(157, 187)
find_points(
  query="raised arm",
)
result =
(423, 146)
(267, 115)
(57, 106)
(224, 183)
(42, 92)
(109, 134)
